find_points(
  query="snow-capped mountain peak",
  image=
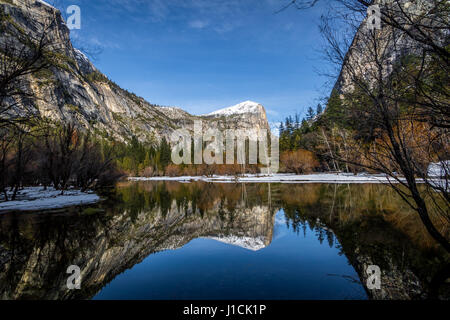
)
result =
(241, 108)
(46, 4)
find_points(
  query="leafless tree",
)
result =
(40, 152)
(392, 80)
(94, 166)
(6, 145)
(60, 156)
(23, 53)
(22, 156)
(71, 156)
(394, 89)
(424, 25)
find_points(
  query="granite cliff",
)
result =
(73, 89)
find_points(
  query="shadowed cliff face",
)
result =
(367, 223)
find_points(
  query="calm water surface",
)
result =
(169, 240)
(293, 266)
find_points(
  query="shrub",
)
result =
(173, 170)
(148, 172)
(299, 161)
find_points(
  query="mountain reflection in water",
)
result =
(169, 240)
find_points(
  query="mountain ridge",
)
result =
(76, 91)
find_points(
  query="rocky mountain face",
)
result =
(386, 47)
(246, 115)
(75, 90)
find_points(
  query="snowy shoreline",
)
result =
(280, 178)
(36, 199)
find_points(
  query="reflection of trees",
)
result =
(333, 204)
(345, 203)
(373, 226)
(368, 223)
(202, 196)
(136, 221)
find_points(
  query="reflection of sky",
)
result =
(203, 55)
(279, 229)
(293, 266)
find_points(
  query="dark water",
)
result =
(168, 240)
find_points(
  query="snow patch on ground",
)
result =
(281, 178)
(36, 198)
(241, 108)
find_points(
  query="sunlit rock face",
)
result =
(76, 91)
(245, 115)
(360, 63)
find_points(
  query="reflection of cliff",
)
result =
(371, 226)
(258, 230)
(35, 250)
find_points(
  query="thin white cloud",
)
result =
(221, 16)
(271, 112)
(158, 9)
(198, 24)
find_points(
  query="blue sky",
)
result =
(202, 55)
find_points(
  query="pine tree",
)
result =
(166, 153)
(289, 127)
(305, 126)
(282, 130)
(147, 160)
(319, 109)
(310, 114)
(297, 121)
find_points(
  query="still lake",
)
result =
(171, 240)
